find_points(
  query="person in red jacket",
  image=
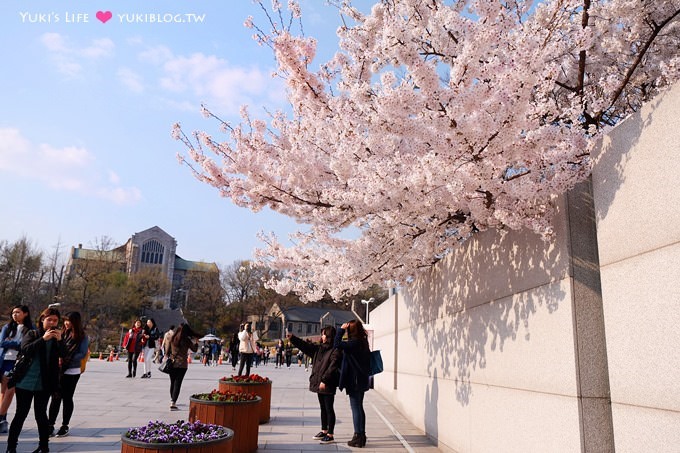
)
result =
(133, 343)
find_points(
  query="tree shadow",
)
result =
(612, 154)
(483, 296)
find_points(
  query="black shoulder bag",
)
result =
(21, 366)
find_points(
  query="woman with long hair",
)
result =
(233, 351)
(151, 334)
(354, 372)
(133, 343)
(75, 344)
(10, 342)
(324, 378)
(183, 339)
(43, 348)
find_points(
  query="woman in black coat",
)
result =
(354, 372)
(41, 378)
(324, 378)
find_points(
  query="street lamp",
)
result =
(186, 297)
(367, 302)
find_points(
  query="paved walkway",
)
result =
(107, 404)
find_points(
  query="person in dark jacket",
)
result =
(43, 348)
(75, 344)
(10, 344)
(233, 350)
(150, 335)
(324, 378)
(354, 372)
(288, 352)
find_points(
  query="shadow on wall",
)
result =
(614, 150)
(431, 405)
(480, 297)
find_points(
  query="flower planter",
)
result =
(240, 416)
(261, 389)
(220, 445)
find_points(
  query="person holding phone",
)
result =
(75, 344)
(43, 348)
(247, 348)
(324, 378)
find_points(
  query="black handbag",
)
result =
(21, 366)
(166, 366)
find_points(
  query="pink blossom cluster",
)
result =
(434, 121)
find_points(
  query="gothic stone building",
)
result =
(149, 248)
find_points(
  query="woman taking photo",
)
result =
(10, 342)
(324, 378)
(74, 343)
(43, 348)
(354, 371)
(181, 342)
(133, 343)
(151, 334)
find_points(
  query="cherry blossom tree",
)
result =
(434, 120)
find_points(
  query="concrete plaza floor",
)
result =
(107, 404)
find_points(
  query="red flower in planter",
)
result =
(227, 396)
(246, 379)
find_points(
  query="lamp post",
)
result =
(367, 302)
(186, 297)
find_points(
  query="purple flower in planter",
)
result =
(178, 432)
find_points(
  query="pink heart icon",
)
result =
(104, 16)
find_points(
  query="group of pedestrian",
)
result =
(142, 339)
(41, 366)
(174, 347)
(210, 353)
(338, 363)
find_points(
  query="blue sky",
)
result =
(86, 110)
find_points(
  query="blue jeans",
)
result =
(356, 402)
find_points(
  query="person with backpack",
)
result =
(75, 344)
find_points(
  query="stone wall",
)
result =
(512, 344)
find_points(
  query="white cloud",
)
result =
(212, 80)
(131, 80)
(69, 168)
(70, 59)
(156, 55)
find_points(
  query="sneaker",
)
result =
(319, 436)
(4, 426)
(173, 406)
(63, 431)
(327, 439)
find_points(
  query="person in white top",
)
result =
(10, 343)
(247, 347)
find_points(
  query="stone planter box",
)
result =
(240, 416)
(261, 389)
(223, 445)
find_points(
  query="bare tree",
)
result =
(206, 301)
(21, 275)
